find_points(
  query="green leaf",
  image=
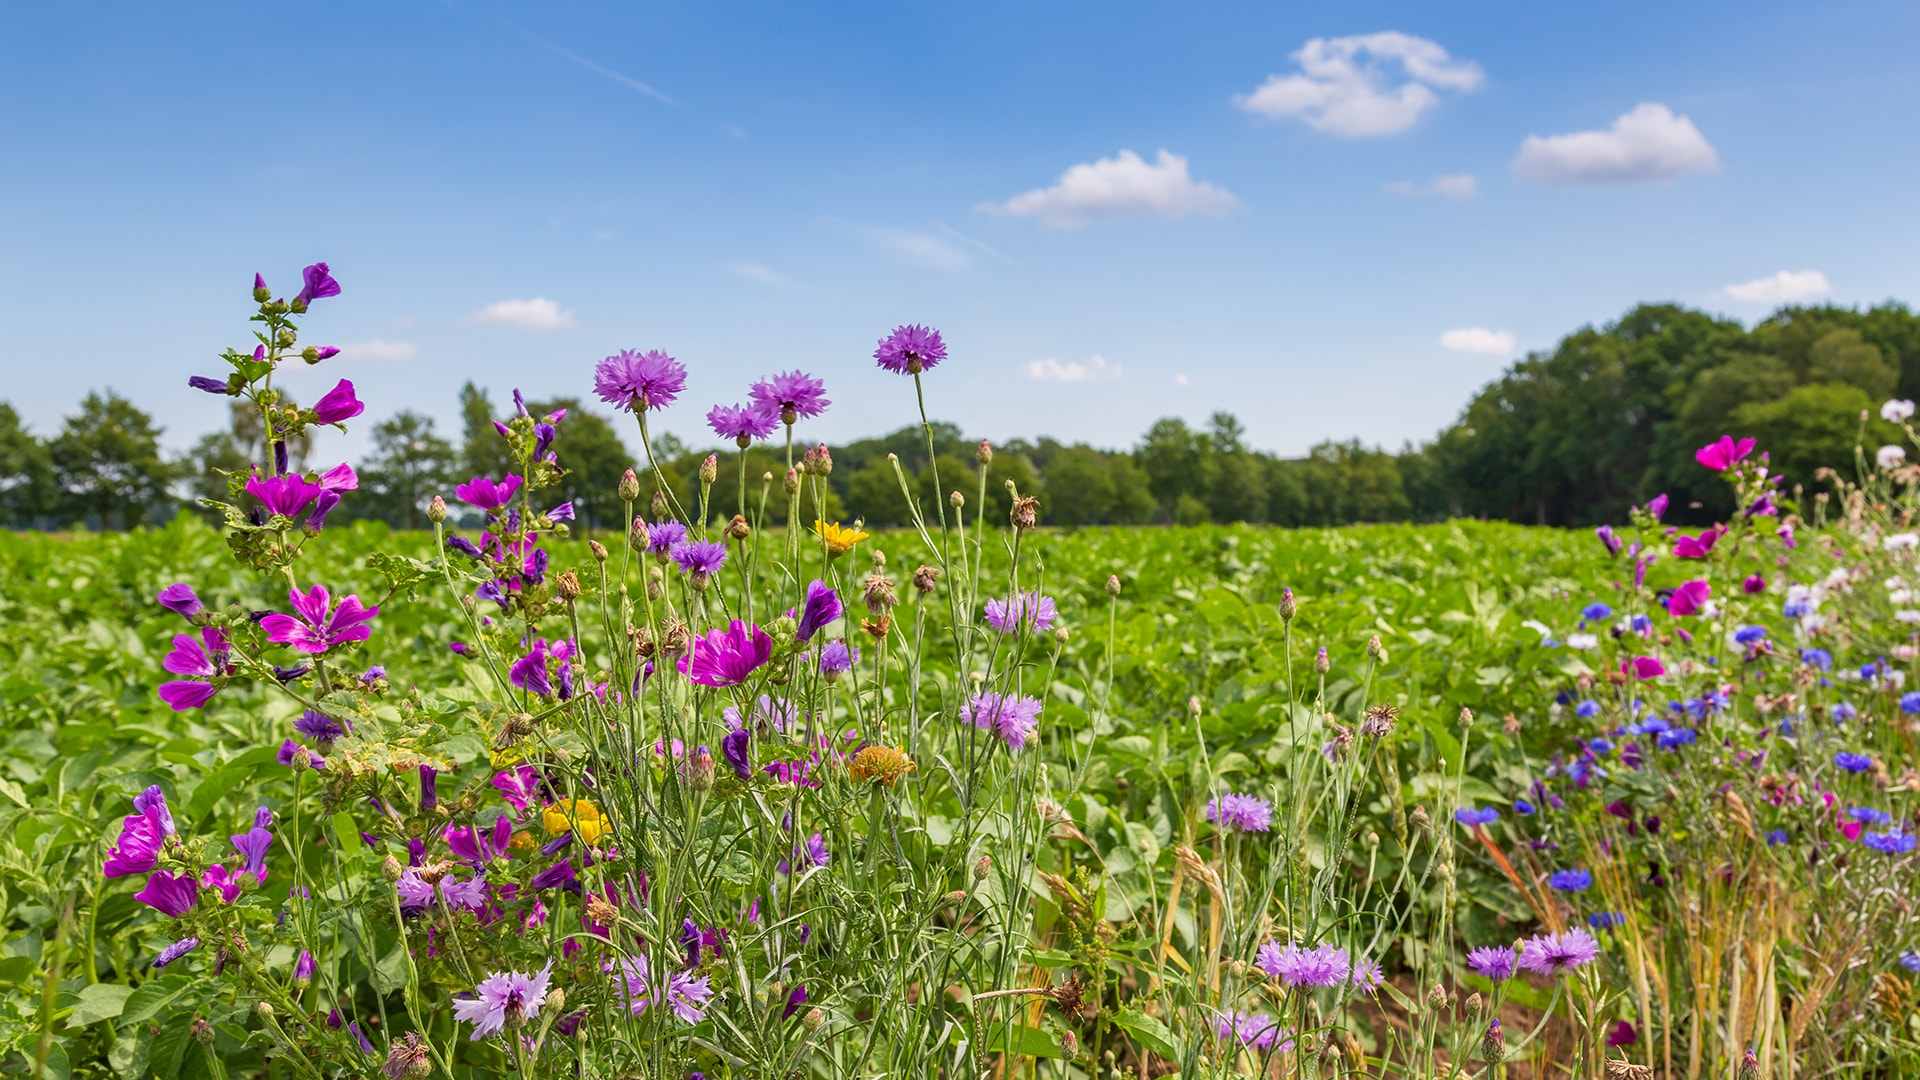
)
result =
(1148, 1031)
(57, 1067)
(100, 1001)
(155, 994)
(390, 973)
(1024, 1041)
(131, 1053)
(347, 831)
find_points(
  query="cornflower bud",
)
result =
(1288, 606)
(791, 482)
(813, 1020)
(738, 529)
(202, 1031)
(710, 469)
(266, 1010)
(599, 550)
(1193, 707)
(823, 461)
(984, 455)
(1321, 664)
(1437, 997)
(629, 488)
(1420, 819)
(982, 866)
(637, 536)
(1061, 635)
(556, 999)
(1466, 717)
(1374, 649)
(1493, 1048)
(702, 770)
(957, 501)
(659, 505)
(656, 582)
(1750, 1066)
(437, 510)
(567, 584)
(1113, 585)
(1474, 1004)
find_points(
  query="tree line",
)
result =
(1571, 436)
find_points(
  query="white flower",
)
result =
(1900, 596)
(1890, 457)
(1905, 541)
(1904, 652)
(1583, 641)
(1538, 627)
(1896, 411)
(1896, 679)
(1907, 615)
(1813, 622)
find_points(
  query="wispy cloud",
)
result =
(1785, 287)
(577, 60)
(972, 243)
(1049, 369)
(1363, 85)
(1648, 145)
(1457, 186)
(1478, 339)
(379, 349)
(765, 275)
(1117, 186)
(919, 248)
(539, 313)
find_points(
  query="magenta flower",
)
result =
(519, 785)
(1644, 667)
(319, 283)
(1029, 607)
(485, 494)
(529, 673)
(1607, 538)
(142, 835)
(186, 694)
(1688, 547)
(1689, 597)
(1657, 505)
(726, 657)
(1723, 455)
(741, 425)
(822, 607)
(1557, 954)
(639, 380)
(254, 844)
(789, 396)
(320, 626)
(205, 658)
(1240, 813)
(909, 350)
(170, 894)
(180, 600)
(338, 404)
(479, 847)
(340, 478)
(285, 495)
(224, 884)
(504, 998)
(1015, 719)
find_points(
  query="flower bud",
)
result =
(556, 999)
(1374, 649)
(629, 488)
(957, 500)
(659, 505)
(1061, 635)
(1466, 717)
(1193, 707)
(261, 294)
(599, 550)
(265, 1009)
(702, 770)
(567, 584)
(437, 510)
(1322, 665)
(1069, 1042)
(1420, 819)
(982, 866)
(202, 1031)
(1474, 1007)
(813, 1020)
(1750, 1066)
(391, 869)
(637, 536)
(710, 469)
(791, 482)
(1493, 1048)
(1287, 605)
(822, 461)
(1113, 585)
(1437, 997)
(738, 529)
(984, 455)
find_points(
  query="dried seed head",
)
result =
(674, 641)
(599, 550)
(600, 912)
(877, 628)
(924, 577)
(1379, 722)
(1420, 819)
(878, 592)
(407, 1059)
(1618, 1069)
(1026, 512)
(629, 488)
(1511, 725)
(738, 529)
(1288, 606)
(1068, 996)
(437, 509)
(1113, 585)
(567, 584)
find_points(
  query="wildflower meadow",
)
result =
(743, 790)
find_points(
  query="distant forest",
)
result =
(1608, 418)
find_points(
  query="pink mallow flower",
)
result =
(726, 657)
(1723, 455)
(1688, 547)
(1689, 597)
(320, 625)
(338, 404)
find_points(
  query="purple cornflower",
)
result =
(664, 537)
(686, 994)
(170, 894)
(1015, 719)
(1867, 815)
(1570, 880)
(700, 558)
(1240, 813)
(320, 625)
(822, 607)
(482, 492)
(1474, 818)
(1324, 965)
(639, 380)
(504, 998)
(180, 600)
(726, 657)
(317, 283)
(1852, 762)
(1606, 920)
(207, 383)
(318, 727)
(789, 396)
(338, 404)
(285, 495)
(175, 951)
(815, 853)
(1492, 961)
(1893, 842)
(836, 659)
(909, 350)
(742, 425)
(1031, 608)
(1253, 1030)
(142, 835)
(1557, 954)
(297, 757)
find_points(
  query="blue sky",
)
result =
(1114, 212)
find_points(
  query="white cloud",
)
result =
(1460, 186)
(1785, 287)
(538, 313)
(1365, 84)
(920, 248)
(1096, 369)
(765, 275)
(1478, 339)
(1180, 379)
(377, 349)
(1123, 184)
(1648, 144)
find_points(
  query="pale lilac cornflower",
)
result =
(504, 998)
(1240, 813)
(742, 425)
(638, 381)
(1323, 965)
(789, 396)
(1557, 954)
(1253, 1030)
(1492, 961)
(911, 349)
(664, 537)
(836, 659)
(1366, 976)
(686, 994)
(1015, 719)
(1031, 608)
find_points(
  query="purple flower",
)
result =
(482, 492)
(686, 994)
(1015, 719)
(318, 283)
(733, 747)
(836, 659)
(1029, 607)
(181, 600)
(141, 836)
(207, 383)
(795, 999)
(1473, 818)
(742, 425)
(296, 757)
(254, 844)
(1852, 762)
(338, 404)
(503, 998)
(322, 506)
(664, 537)
(909, 350)
(1492, 962)
(701, 558)
(558, 875)
(1608, 539)
(205, 658)
(303, 969)
(789, 396)
(529, 673)
(1570, 880)
(285, 495)
(175, 951)
(519, 785)
(1256, 1031)
(476, 846)
(170, 894)
(429, 794)
(563, 512)
(1240, 813)
(182, 695)
(1324, 965)
(726, 657)
(318, 726)
(320, 625)
(822, 607)
(639, 380)
(1556, 954)
(817, 850)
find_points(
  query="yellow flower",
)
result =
(839, 538)
(577, 816)
(881, 764)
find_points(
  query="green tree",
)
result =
(1176, 461)
(410, 464)
(26, 473)
(482, 451)
(595, 458)
(1812, 426)
(107, 465)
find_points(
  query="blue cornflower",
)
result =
(1910, 960)
(1641, 624)
(1843, 711)
(1868, 815)
(1776, 837)
(1798, 607)
(1747, 635)
(1471, 817)
(1570, 880)
(1599, 745)
(1819, 658)
(1522, 806)
(1589, 708)
(1852, 762)
(1593, 612)
(1910, 702)
(1606, 920)
(1677, 738)
(1891, 843)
